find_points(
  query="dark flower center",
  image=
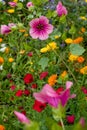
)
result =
(40, 27)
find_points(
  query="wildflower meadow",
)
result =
(43, 65)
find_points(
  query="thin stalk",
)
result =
(62, 124)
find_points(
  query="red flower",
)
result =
(19, 93)
(26, 92)
(59, 90)
(23, 112)
(28, 78)
(30, 54)
(34, 86)
(84, 90)
(12, 87)
(43, 75)
(38, 106)
(70, 119)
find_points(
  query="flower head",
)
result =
(40, 28)
(28, 78)
(29, 4)
(12, 4)
(61, 10)
(5, 29)
(21, 117)
(52, 79)
(2, 127)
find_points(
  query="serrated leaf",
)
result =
(76, 49)
(43, 62)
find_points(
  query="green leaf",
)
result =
(55, 126)
(62, 19)
(32, 126)
(72, 30)
(43, 62)
(19, 6)
(76, 49)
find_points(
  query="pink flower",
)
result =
(12, 4)
(5, 29)
(29, 4)
(61, 10)
(21, 117)
(12, 25)
(50, 96)
(40, 28)
(82, 121)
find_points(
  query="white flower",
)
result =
(1, 67)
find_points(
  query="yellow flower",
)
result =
(2, 127)
(56, 36)
(26, 35)
(43, 50)
(83, 18)
(52, 46)
(68, 41)
(10, 59)
(10, 11)
(52, 79)
(85, 0)
(22, 30)
(15, 1)
(1, 40)
(64, 73)
(73, 57)
(22, 51)
(83, 70)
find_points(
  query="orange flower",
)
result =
(52, 79)
(80, 59)
(64, 73)
(1, 60)
(1, 40)
(83, 70)
(2, 127)
(78, 40)
(7, 50)
(83, 29)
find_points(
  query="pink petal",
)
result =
(34, 22)
(69, 84)
(65, 97)
(21, 117)
(49, 28)
(43, 35)
(43, 20)
(41, 98)
(73, 96)
(33, 33)
(82, 121)
(49, 91)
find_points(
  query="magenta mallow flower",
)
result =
(40, 28)
(29, 4)
(61, 10)
(5, 29)
(21, 117)
(12, 4)
(50, 96)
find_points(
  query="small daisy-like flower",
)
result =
(10, 11)
(40, 28)
(10, 59)
(83, 70)
(68, 41)
(1, 60)
(72, 58)
(52, 79)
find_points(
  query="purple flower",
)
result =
(21, 117)
(50, 96)
(12, 4)
(61, 10)
(40, 28)
(5, 29)
(29, 4)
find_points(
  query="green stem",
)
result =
(62, 124)
(66, 66)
